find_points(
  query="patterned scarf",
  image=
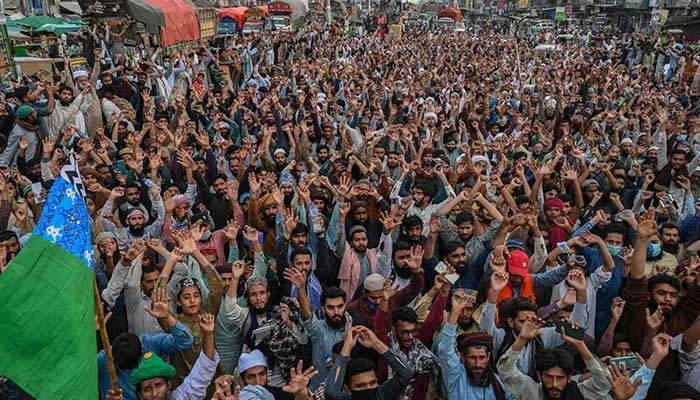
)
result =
(419, 359)
(282, 347)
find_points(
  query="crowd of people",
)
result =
(318, 216)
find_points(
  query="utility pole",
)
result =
(329, 15)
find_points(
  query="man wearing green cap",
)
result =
(27, 127)
(152, 377)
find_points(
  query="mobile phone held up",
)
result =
(569, 330)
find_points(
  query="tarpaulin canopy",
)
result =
(150, 16)
(450, 12)
(175, 20)
(181, 22)
(58, 29)
(235, 13)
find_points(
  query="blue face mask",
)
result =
(206, 235)
(614, 250)
(654, 249)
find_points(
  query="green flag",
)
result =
(47, 332)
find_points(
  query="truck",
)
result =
(231, 20)
(280, 16)
(448, 18)
(255, 20)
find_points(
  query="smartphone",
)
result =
(574, 333)
(631, 362)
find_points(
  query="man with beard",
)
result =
(27, 127)
(10, 243)
(153, 377)
(662, 251)
(474, 246)
(358, 376)
(136, 219)
(423, 193)
(137, 283)
(467, 374)
(412, 231)
(671, 169)
(248, 319)
(323, 333)
(555, 368)
(644, 297)
(220, 205)
(393, 167)
(68, 111)
(132, 197)
(357, 260)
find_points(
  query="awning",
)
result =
(58, 29)
(72, 7)
(37, 22)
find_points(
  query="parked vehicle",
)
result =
(448, 18)
(281, 16)
(543, 26)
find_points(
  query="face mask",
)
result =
(367, 394)
(206, 235)
(654, 249)
(614, 250)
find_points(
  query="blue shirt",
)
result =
(607, 292)
(457, 384)
(323, 337)
(179, 339)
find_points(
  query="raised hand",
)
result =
(660, 345)
(296, 277)
(416, 260)
(498, 260)
(569, 298)
(186, 243)
(460, 301)
(620, 383)
(137, 248)
(300, 379)
(116, 193)
(499, 280)
(231, 230)
(250, 234)
(655, 319)
(576, 279)
(206, 322)
(531, 328)
(223, 388)
(646, 227)
(617, 307)
(388, 222)
(237, 269)
(159, 304)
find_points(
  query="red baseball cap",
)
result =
(518, 263)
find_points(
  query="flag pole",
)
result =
(103, 335)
